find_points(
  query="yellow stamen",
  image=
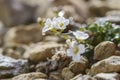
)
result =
(76, 49)
(61, 24)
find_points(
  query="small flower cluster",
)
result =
(59, 23)
(75, 45)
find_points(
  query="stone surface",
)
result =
(41, 51)
(67, 74)
(14, 51)
(80, 66)
(15, 12)
(111, 64)
(47, 66)
(25, 34)
(2, 32)
(10, 67)
(53, 38)
(31, 76)
(105, 48)
(55, 76)
(100, 7)
(82, 77)
(107, 76)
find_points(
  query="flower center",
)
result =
(61, 24)
(76, 49)
(49, 25)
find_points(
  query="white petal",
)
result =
(69, 52)
(73, 44)
(76, 58)
(45, 29)
(81, 35)
(81, 48)
(48, 21)
(61, 13)
(66, 22)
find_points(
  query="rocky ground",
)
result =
(27, 55)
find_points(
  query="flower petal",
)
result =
(76, 58)
(81, 48)
(69, 52)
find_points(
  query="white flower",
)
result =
(75, 50)
(54, 24)
(61, 23)
(61, 13)
(80, 35)
(48, 26)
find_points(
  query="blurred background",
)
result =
(16, 13)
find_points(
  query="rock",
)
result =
(111, 64)
(107, 76)
(113, 19)
(10, 67)
(23, 35)
(41, 51)
(53, 39)
(31, 76)
(62, 59)
(15, 12)
(67, 74)
(105, 48)
(117, 53)
(80, 66)
(55, 76)
(47, 66)
(100, 7)
(41, 7)
(82, 77)
(2, 32)
(14, 51)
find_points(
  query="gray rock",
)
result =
(24, 34)
(14, 12)
(10, 67)
(41, 51)
(55, 76)
(107, 76)
(104, 50)
(80, 66)
(67, 74)
(47, 66)
(31, 76)
(82, 77)
(14, 51)
(111, 64)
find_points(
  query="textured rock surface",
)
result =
(82, 77)
(100, 7)
(23, 34)
(55, 76)
(47, 66)
(111, 64)
(15, 12)
(10, 67)
(107, 76)
(41, 51)
(14, 51)
(31, 76)
(80, 66)
(105, 48)
(67, 74)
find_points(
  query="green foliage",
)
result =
(105, 31)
